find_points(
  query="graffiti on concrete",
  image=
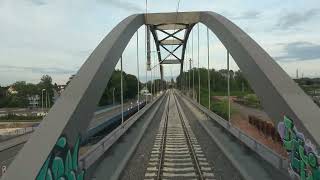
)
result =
(62, 162)
(303, 157)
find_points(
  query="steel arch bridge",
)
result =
(69, 117)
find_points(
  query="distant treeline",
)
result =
(130, 87)
(308, 81)
(218, 80)
(310, 85)
(25, 90)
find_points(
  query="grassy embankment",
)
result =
(220, 107)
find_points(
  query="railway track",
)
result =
(176, 153)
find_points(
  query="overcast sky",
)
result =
(55, 37)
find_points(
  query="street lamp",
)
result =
(113, 95)
(42, 99)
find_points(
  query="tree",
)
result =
(218, 80)
(2, 92)
(114, 84)
(131, 86)
(4, 99)
(241, 82)
(46, 84)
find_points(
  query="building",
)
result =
(34, 101)
(144, 91)
(11, 90)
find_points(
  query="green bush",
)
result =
(13, 117)
(252, 101)
(221, 108)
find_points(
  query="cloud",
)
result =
(249, 15)
(300, 51)
(293, 19)
(125, 5)
(37, 70)
(38, 2)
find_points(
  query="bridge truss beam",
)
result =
(171, 39)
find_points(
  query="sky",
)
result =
(56, 37)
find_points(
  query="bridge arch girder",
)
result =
(71, 114)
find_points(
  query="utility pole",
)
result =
(113, 99)
(193, 95)
(199, 63)
(49, 100)
(42, 100)
(189, 72)
(46, 99)
(121, 85)
(228, 81)
(138, 93)
(209, 96)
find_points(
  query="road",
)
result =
(8, 154)
(102, 115)
(10, 148)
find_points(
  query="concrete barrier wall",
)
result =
(94, 153)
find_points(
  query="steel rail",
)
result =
(189, 142)
(163, 142)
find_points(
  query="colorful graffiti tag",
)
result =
(62, 163)
(303, 157)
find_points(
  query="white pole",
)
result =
(199, 62)
(189, 67)
(193, 96)
(189, 75)
(228, 68)
(42, 100)
(113, 99)
(151, 84)
(46, 99)
(121, 85)
(209, 89)
(186, 80)
(145, 55)
(138, 70)
(49, 100)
